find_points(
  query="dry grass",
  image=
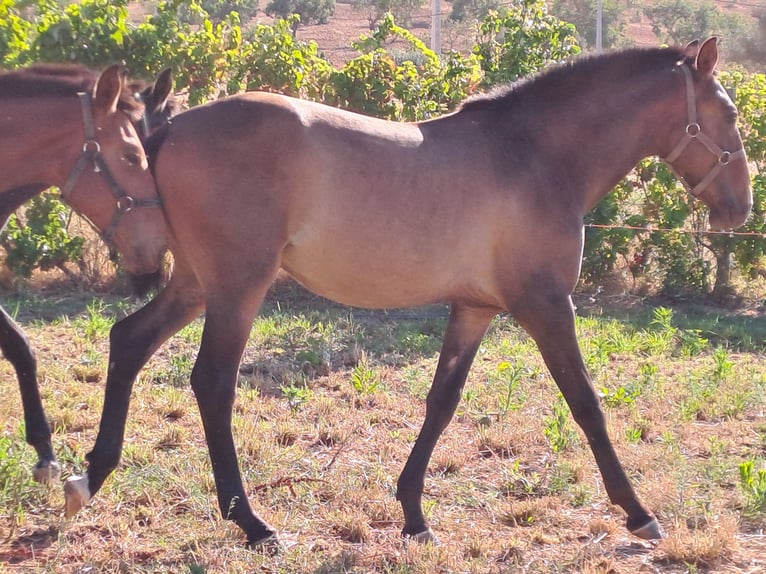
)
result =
(320, 452)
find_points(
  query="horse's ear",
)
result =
(707, 58)
(690, 52)
(162, 88)
(106, 92)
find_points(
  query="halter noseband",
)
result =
(91, 152)
(694, 131)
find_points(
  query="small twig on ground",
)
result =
(288, 481)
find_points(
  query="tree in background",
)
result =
(402, 10)
(308, 11)
(752, 48)
(520, 40)
(473, 10)
(582, 13)
(680, 21)
(217, 10)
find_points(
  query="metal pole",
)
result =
(436, 26)
(599, 24)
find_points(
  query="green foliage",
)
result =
(582, 13)
(364, 379)
(15, 32)
(463, 10)
(752, 481)
(522, 39)
(680, 21)
(41, 241)
(272, 59)
(558, 427)
(309, 11)
(401, 10)
(375, 84)
(218, 10)
(92, 32)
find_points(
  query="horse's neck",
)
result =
(36, 142)
(604, 134)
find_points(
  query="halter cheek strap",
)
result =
(694, 132)
(91, 153)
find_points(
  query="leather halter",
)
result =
(91, 152)
(694, 132)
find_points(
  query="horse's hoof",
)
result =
(649, 531)
(270, 544)
(46, 472)
(76, 494)
(425, 537)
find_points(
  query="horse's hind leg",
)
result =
(228, 320)
(550, 320)
(465, 330)
(16, 349)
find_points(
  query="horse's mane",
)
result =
(153, 144)
(570, 76)
(58, 80)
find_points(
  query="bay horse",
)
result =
(481, 208)
(44, 82)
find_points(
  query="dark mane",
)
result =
(58, 80)
(569, 77)
(153, 144)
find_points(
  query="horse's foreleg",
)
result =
(465, 330)
(133, 340)
(16, 349)
(551, 323)
(227, 326)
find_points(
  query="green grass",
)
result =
(329, 403)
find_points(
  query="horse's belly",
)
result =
(385, 273)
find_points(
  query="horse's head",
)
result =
(111, 184)
(709, 157)
(159, 104)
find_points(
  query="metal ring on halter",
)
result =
(725, 158)
(692, 130)
(125, 203)
(96, 147)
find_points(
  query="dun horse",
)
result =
(33, 138)
(482, 208)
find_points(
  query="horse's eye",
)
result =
(133, 158)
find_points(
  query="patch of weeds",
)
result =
(17, 487)
(562, 477)
(511, 375)
(634, 435)
(297, 393)
(558, 427)
(96, 324)
(661, 339)
(692, 343)
(364, 379)
(178, 372)
(723, 365)
(752, 482)
(523, 484)
(623, 396)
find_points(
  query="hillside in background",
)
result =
(350, 21)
